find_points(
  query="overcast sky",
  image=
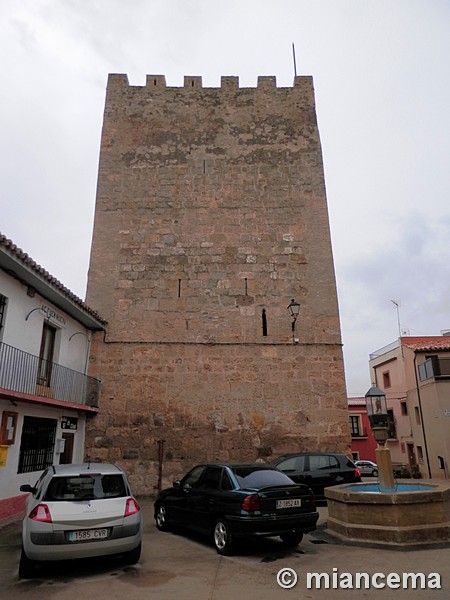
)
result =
(381, 72)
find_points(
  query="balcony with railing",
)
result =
(33, 376)
(436, 367)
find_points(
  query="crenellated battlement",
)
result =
(211, 215)
(194, 82)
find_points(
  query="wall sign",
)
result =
(70, 423)
(8, 428)
(52, 315)
(3, 455)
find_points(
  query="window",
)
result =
(39, 485)
(386, 379)
(420, 453)
(253, 477)
(321, 461)
(192, 478)
(226, 482)
(37, 444)
(434, 366)
(429, 368)
(293, 463)
(404, 408)
(417, 414)
(211, 479)
(86, 487)
(392, 432)
(264, 322)
(355, 425)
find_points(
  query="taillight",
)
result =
(41, 513)
(251, 502)
(357, 472)
(132, 507)
(312, 501)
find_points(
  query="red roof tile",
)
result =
(427, 343)
(30, 263)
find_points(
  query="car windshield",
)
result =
(86, 487)
(251, 477)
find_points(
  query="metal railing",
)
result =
(384, 350)
(22, 372)
(434, 367)
(362, 433)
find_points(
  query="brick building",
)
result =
(211, 215)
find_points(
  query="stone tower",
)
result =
(211, 215)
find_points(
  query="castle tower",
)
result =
(211, 215)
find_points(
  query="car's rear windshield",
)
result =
(86, 487)
(249, 477)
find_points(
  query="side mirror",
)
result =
(27, 488)
(176, 484)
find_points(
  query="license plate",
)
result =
(291, 503)
(88, 534)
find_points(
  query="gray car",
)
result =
(318, 470)
(79, 511)
(367, 467)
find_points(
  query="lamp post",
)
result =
(378, 417)
(294, 309)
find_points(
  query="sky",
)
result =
(381, 72)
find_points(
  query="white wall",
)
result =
(26, 334)
(10, 480)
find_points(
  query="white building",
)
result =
(45, 393)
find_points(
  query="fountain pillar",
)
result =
(386, 480)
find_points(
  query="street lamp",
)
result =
(294, 309)
(377, 412)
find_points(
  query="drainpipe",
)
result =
(421, 415)
(160, 462)
(88, 351)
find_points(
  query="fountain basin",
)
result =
(400, 487)
(415, 515)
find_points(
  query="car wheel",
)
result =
(375, 473)
(292, 538)
(132, 557)
(222, 537)
(161, 518)
(27, 566)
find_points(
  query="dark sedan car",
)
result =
(228, 502)
(318, 470)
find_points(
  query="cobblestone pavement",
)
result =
(187, 567)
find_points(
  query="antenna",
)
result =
(295, 62)
(396, 304)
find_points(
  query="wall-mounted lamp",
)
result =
(32, 311)
(78, 333)
(88, 337)
(294, 310)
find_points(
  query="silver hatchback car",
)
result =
(80, 511)
(367, 467)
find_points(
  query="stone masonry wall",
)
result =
(211, 215)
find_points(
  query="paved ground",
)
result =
(183, 567)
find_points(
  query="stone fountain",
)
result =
(389, 513)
